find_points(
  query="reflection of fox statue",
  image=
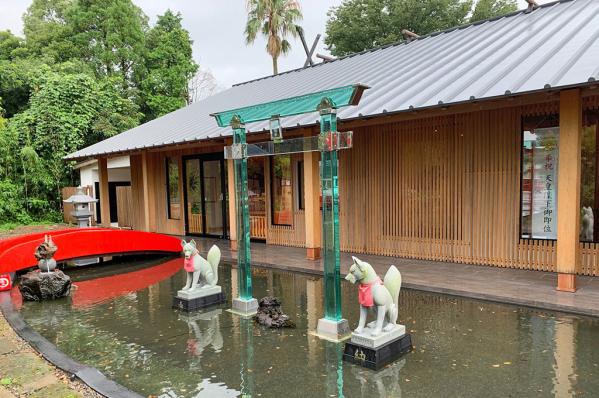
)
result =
(587, 224)
(200, 272)
(208, 333)
(384, 295)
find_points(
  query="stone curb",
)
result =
(87, 374)
(444, 290)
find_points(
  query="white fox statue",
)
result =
(384, 295)
(200, 272)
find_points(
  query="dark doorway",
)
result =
(111, 200)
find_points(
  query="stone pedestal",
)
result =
(376, 352)
(245, 307)
(333, 330)
(191, 300)
(38, 286)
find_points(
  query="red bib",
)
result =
(365, 293)
(188, 264)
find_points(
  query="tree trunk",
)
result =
(275, 66)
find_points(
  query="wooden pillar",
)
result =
(149, 203)
(312, 205)
(232, 210)
(568, 196)
(104, 197)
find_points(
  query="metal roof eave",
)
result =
(546, 89)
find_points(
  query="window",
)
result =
(539, 177)
(173, 196)
(257, 198)
(540, 150)
(589, 187)
(281, 189)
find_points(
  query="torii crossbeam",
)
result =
(329, 142)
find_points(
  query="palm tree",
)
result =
(276, 19)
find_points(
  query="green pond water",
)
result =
(462, 347)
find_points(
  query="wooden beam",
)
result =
(325, 58)
(409, 35)
(311, 190)
(104, 197)
(568, 196)
(532, 4)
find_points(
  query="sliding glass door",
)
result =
(205, 199)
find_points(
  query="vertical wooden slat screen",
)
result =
(443, 188)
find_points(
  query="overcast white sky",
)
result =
(216, 27)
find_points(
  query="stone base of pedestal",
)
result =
(376, 352)
(245, 307)
(333, 330)
(191, 300)
(39, 286)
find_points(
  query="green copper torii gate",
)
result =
(328, 143)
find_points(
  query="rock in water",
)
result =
(270, 314)
(38, 286)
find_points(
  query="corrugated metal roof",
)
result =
(556, 45)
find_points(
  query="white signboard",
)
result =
(544, 183)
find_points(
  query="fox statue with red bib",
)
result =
(375, 294)
(201, 273)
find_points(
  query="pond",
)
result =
(462, 347)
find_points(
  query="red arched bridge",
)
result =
(17, 253)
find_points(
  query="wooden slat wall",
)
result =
(443, 188)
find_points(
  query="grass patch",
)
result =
(10, 226)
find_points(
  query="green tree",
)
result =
(66, 112)
(11, 46)
(491, 8)
(275, 19)
(169, 66)
(82, 74)
(16, 83)
(111, 36)
(358, 25)
(48, 31)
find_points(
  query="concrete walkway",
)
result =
(530, 288)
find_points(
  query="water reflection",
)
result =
(565, 376)
(384, 383)
(204, 330)
(334, 363)
(246, 328)
(462, 347)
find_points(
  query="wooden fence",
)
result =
(258, 227)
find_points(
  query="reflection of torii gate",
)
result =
(329, 141)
